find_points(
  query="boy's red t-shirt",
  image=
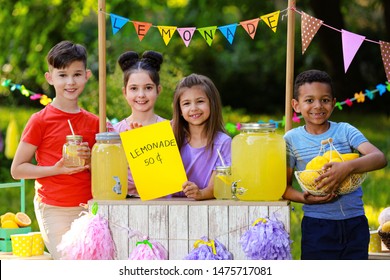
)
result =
(47, 129)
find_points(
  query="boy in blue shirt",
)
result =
(334, 226)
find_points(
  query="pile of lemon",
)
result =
(11, 220)
(314, 169)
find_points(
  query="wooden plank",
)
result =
(238, 225)
(158, 224)
(177, 224)
(178, 232)
(218, 224)
(138, 225)
(198, 225)
(118, 220)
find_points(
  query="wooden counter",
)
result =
(178, 222)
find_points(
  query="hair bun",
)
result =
(127, 60)
(154, 59)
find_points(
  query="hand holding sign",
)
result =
(154, 160)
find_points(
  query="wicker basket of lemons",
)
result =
(306, 178)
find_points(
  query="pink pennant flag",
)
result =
(309, 28)
(141, 28)
(351, 44)
(250, 26)
(385, 51)
(186, 34)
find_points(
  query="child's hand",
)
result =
(316, 199)
(335, 173)
(134, 125)
(191, 190)
(68, 170)
(83, 151)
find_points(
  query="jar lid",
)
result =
(222, 168)
(258, 126)
(74, 138)
(107, 136)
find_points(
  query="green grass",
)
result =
(376, 187)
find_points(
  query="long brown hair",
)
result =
(214, 124)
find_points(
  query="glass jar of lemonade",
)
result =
(109, 167)
(259, 162)
(222, 183)
(69, 151)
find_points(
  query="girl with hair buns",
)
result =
(141, 88)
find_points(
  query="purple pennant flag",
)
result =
(351, 44)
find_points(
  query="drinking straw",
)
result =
(220, 157)
(71, 128)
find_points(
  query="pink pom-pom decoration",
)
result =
(266, 240)
(89, 238)
(205, 249)
(149, 250)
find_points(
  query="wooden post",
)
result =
(290, 64)
(102, 64)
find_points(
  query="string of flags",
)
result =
(43, 99)
(310, 25)
(359, 97)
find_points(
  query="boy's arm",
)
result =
(22, 168)
(372, 159)
(302, 197)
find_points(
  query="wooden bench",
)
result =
(178, 222)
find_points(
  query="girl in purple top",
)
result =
(141, 88)
(198, 127)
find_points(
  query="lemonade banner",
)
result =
(154, 160)
(310, 25)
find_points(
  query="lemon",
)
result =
(22, 219)
(336, 160)
(349, 156)
(316, 163)
(223, 179)
(386, 227)
(9, 216)
(307, 178)
(9, 224)
(331, 155)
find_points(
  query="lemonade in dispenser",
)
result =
(109, 167)
(259, 162)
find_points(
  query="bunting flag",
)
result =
(309, 28)
(186, 34)
(385, 51)
(351, 44)
(166, 33)
(250, 26)
(208, 33)
(228, 31)
(141, 28)
(271, 20)
(117, 22)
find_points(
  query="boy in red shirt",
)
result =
(60, 190)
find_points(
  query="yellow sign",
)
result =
(154, 160)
